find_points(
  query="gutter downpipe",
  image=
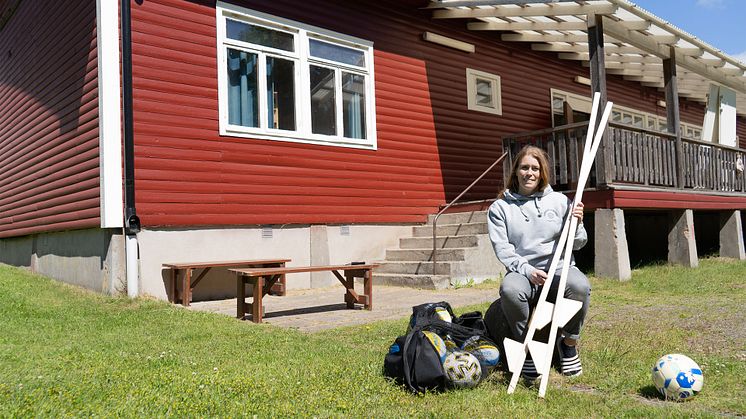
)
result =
(131, 221)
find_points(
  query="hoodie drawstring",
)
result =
(536, 204)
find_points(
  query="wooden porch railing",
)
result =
(638, 157)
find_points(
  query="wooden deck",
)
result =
(638, 160)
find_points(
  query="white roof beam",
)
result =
(585, 56)
(527, 26)
(637, 11)
(558, 9)
(642, 78)
(648, 45)
(536, 37)
(439, 4)
(583, 47)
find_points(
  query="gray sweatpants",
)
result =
(519, 297)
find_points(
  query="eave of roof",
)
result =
(636, 41)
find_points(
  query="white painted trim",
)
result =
(109, 114)
(302, 58)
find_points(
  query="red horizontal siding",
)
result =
(429, 145)
(49, 159)
(661, 200)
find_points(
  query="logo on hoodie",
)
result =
(551, 215)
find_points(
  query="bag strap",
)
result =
(405, 359)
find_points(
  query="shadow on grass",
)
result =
(650, 392)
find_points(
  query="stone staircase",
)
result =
(464, 254)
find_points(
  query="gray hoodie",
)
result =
(524, 229)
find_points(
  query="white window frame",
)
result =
(647, 118)
(471, 91)
(302, 34)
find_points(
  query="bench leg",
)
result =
(350, 295)
(256, 301)
(174, 286)
(240, 296)
(186, 287)
(368, 289)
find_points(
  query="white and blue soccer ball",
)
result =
(677, 377)
(485, 351)
(462, 369)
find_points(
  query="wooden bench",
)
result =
(185, 271)
(263, 279)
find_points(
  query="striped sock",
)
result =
(528, 371)
(570, 361)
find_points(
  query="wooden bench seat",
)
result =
(262, 280)
(182, 273)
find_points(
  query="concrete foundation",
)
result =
(731, 235)
(304, 245)
(610, 241)
(93, 258)
(682, 246)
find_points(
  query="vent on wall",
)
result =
(344, 230)
(267, 232)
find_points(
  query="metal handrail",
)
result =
(435, 221)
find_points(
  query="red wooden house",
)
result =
(323, 131)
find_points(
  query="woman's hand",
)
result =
(538, 277)
(577, 212)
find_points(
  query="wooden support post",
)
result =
(611, 251)
(682, 246)
(604, 174)
(672, 111)
(731, 235)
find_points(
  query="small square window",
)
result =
(483, 91)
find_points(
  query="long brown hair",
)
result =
(540, 156)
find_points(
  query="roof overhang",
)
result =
(635, 41)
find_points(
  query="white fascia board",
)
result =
(109, 115)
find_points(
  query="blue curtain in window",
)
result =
(354, 105)
(242, 88)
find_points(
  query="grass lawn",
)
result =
(68, 352)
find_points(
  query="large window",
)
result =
(283, 80)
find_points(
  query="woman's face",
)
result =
(528, 175)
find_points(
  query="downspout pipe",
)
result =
(131, 221)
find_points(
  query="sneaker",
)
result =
(570, 361)
(529, 372)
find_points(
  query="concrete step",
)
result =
(416, 255)
(459, 218)
(450, 229)
(430, 282)
(411, 268)
(441, 242)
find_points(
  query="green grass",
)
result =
(68, 352)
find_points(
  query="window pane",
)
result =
(558, 104)
(258, 35)
(280, 93)
(243, 106)
(484, 93)
(337, 53)
(353, 96)
(638, 121)
(616, 116)
(323, 112)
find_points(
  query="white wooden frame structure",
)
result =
(634, 40)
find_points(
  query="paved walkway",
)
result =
(323, 308)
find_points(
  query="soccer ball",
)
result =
(485, 351)
(462, 369)
(438, 344)
(677, 377)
